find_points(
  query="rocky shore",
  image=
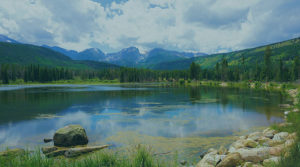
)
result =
(254, 150)
(257, 149)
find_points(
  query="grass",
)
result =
(140, 156)
(293, 158)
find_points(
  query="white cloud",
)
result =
(194, 25)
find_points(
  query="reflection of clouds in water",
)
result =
(25, 132)
(80, 117)
(200, 119)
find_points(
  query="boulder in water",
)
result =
(71, 135)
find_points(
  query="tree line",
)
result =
(267, 71)
(36, 73)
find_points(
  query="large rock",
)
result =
(269, 133)
(70, 135)
(255, 136)
(277, 151)
(281, 136)
(254, 155)
(250, 143)
(231, 160)
(210, 160)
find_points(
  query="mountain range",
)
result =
(128, 57)
(12, 51)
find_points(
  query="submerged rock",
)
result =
(183, 162)
(74, 152)
(47, 150)
(48, 140)
(71, 135)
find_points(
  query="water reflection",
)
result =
(29, 115)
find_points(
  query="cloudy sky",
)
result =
(187, 25)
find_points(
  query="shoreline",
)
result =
(258, 149)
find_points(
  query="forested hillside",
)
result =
(285, 50)
(23, 54)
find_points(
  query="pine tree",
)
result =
(296, 68)
(267, 67)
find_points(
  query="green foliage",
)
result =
(294, 157)
(181, 81)
(195, 71)
(286, 50)
(23, 54)
(140, 157)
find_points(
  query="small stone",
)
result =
(255, 136)
(250, 164)
(183, 162)
(271, 161)
(273, 143)
(289, 143)
(222, 151)
(292, 136)
(264, 141)
(48, 140)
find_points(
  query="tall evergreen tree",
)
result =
(195, 71)
(267, 67)
(296, 68)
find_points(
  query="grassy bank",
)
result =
(140, 156)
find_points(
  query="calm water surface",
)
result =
(168, 118)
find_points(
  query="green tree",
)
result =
(225, 70)
(4, 74)
(267, 67)
(280, 76)
(195, 71)
(296, 68)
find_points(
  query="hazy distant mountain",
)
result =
(91, 54)
(129, 57)
(159, 55)
(4, 38)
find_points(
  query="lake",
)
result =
(176, 120)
